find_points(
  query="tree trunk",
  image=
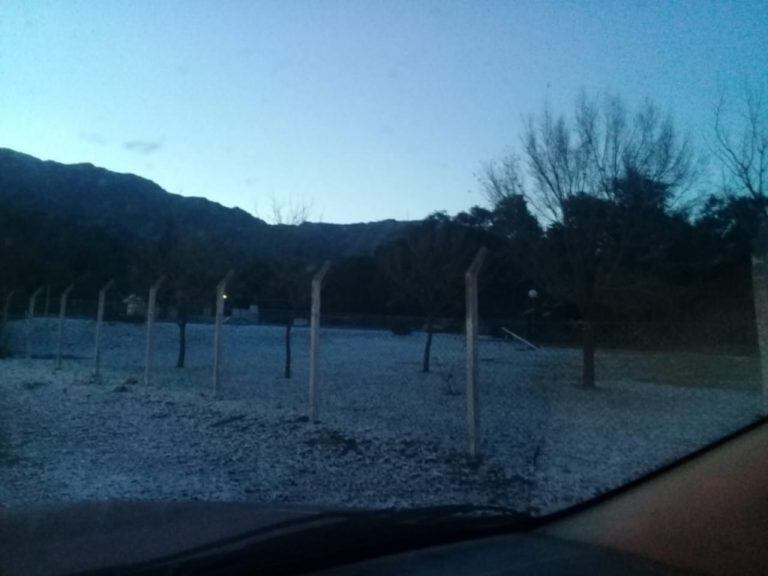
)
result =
(182, 343)
(427, 347)
(182, 315)
(4, 322)
(588, 355)
(288, 326)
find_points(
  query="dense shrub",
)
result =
(400, 328)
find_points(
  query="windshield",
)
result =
(376, 255)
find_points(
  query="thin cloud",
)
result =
(143, 146)
(93, 138)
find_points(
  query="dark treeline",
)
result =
(698, 271)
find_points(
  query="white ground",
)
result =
(388, 436)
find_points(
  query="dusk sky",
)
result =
(364, 110)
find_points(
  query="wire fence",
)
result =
(537, 432)
(663, 388)
(719, 336)
(384, 371)
(353, 346)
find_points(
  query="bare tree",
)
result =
(575, 173)
(741, 144)
(290, 211)
(191, 278)
(290, 283)
(426, 268)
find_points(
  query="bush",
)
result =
(400, 328)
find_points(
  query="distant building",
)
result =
(135, 306)
(248, 315)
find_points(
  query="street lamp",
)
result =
(533, 296)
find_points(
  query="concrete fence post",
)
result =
(62, 316)
(151, 307)
(314, 337)
(221, 296)
(760, 297)
(99, 322)
(30, 317)
(472, 330)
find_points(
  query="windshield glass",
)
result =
(376, 255)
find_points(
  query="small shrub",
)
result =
(400, 328)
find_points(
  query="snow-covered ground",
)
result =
(387, 436)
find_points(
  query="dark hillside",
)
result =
(133, 210)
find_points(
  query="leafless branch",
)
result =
(741, 143)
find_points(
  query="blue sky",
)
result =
(364, 110)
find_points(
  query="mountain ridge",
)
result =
(134, 209)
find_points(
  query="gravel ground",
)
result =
(388, 436)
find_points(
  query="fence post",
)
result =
(151, 305)
(473, 408)
(62, 316)
(221, 295)
(99, 322)
(30, 316)
(314, 337)
(6, 309)
(760, 297)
